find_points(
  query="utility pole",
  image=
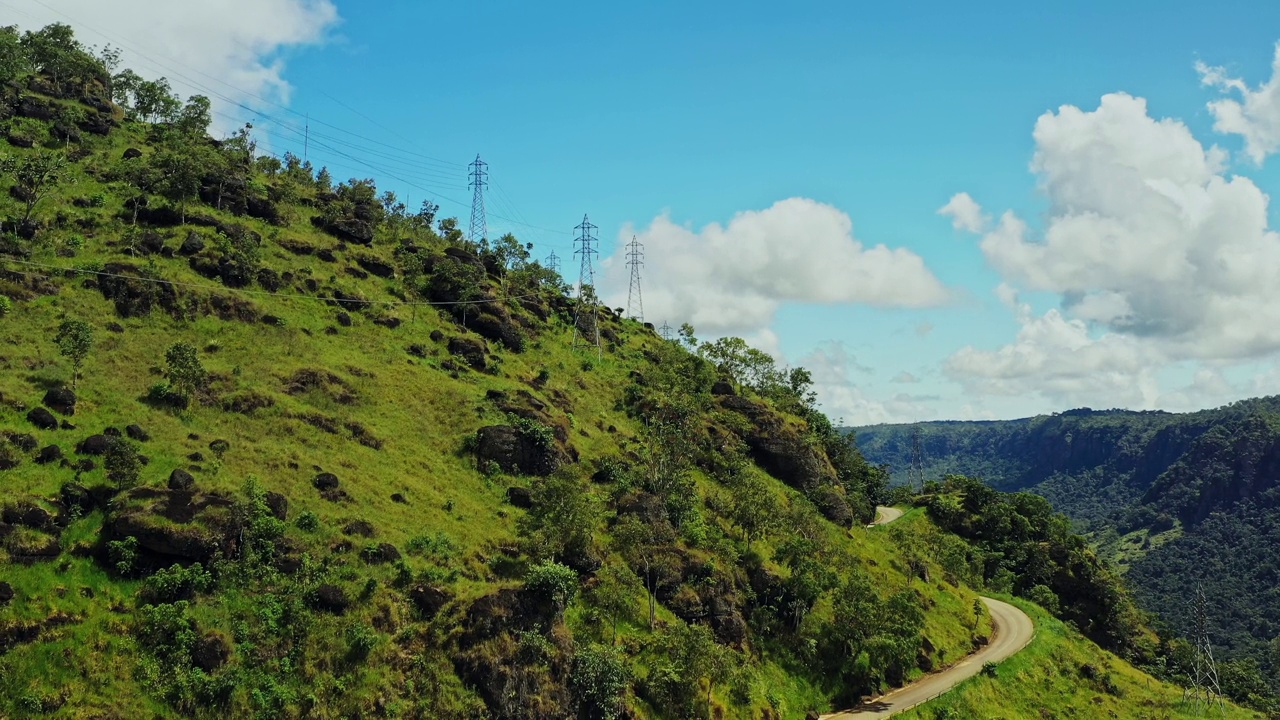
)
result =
(915, 478)
(1204, 688)
(585, 315)
(635, 259)
(306, 138)
(479, 179)
(553, 262)
(665, 330)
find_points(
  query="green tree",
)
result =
(52, 50)
(177, 168)
(34, 176)
(184, 371)
(614, 593)
(74, 340)
(13, 58)
(755, 508)
(638, 542)
(563, 517)
(194, 118)
(154, 100)
(122, 463)
(599, 680)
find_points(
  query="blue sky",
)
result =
(664, 118)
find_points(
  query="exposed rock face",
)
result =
(278, 504)
(428, 600)
(520, 497)
(517, 452)
(177, 524)
(180, 479)
(330, 598)
(779, 447)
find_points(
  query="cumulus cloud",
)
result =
(1255, 116)
(1156, 255)
(229, 48)
(965, 213)
(731, 279)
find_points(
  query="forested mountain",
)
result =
(272, 446)
(1180, 500)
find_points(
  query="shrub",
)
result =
(361, 640)
(553, 582)
(6, 305)
(123, 464)
(122, 554)
(308, 521)
(990, 669)
(176, 583)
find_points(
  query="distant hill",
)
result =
(1178, 500)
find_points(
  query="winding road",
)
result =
(1012, 630)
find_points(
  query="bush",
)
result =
(123, 463)
(6, 305)
(599, 681)
(990, 669)
(553, 582)
(361, 640)
(176, 583)
(308, 521)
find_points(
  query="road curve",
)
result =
(1011, 631)
(885, 515)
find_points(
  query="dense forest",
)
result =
(1178, 501)
(273, 445)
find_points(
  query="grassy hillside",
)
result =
(1062, 675)
(273, 447)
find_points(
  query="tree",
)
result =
(639, 544)
(686, 334)
(74, 339)
(184, 371)
(154, 100)
(177, 168)
(52, 50)
(122, 463)
(755, 509)
(13, 59)
(34, 176)
(563, 517)
(599, 681)
(614, 593)
(194, 118)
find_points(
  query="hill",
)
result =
(276, 447)
(1178, 501)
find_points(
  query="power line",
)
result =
(635, 259)
(553, 262)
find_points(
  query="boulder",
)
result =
(48, 454)
(136, 432)
(381, 553)
(428, 600)
(516, 452)
(329, 598)
(375, 266)
(278, 504)
(192, 244)
(520, 497)
(325, 481)
(722, 387)
(6, 593)
(42, 418)
(131, 153)
(211, 652)
(469, 349)
(77, 496)
(94, 445)
(181, 480)
(399, 498)
(62, 400)
(344, 319)
(358, 527)
(23, 441)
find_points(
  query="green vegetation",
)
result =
(362, 472)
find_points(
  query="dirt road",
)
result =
(1012, 631)
(885, 515)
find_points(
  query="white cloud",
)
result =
(965, 213)
(905, 377)
(1255, 116)
(1145, 236)
(229, 48)
(845, 402)
(731, 279)
(924, 328)
(1156, 256)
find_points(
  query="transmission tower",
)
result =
(1204, 691)
(479, 179)
(553, 262)
(635, 259)
(585, 320)
(915, 478)
(665, 330)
